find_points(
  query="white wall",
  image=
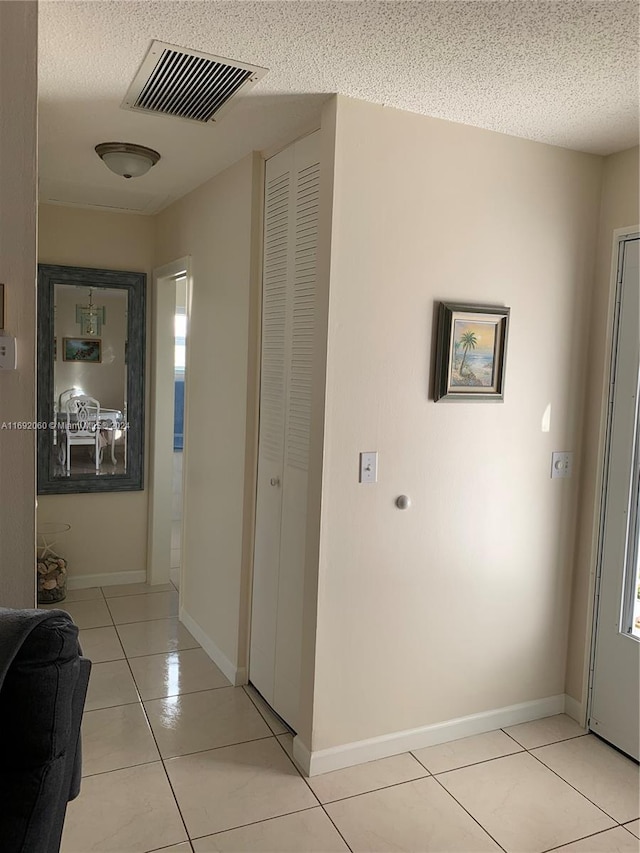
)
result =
(459, 605)
(619, 209)
(109, 530)
(18, 105)
(216, 225)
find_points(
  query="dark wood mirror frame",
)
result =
(135, 285)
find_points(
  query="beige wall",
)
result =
(619, 209)
(460, 604)
(18, 99)
(213, 225)
(109, 531)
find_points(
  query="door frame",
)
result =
(161, 414)
(620, 235)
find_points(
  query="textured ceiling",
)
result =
(565, 73)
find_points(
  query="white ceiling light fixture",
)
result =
(126, 159)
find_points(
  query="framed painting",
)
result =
(88, 350)
(471, 352)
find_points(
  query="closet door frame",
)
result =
(282, 477)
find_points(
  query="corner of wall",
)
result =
(619, 209)
(18, 194)
(252, 408)
(316, 447)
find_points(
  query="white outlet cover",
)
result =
(7, 352)
(369, 467)
(561, 463)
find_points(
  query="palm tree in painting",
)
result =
(467, 341)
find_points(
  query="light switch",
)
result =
(7, 352)
(561, 464)
(369, 467)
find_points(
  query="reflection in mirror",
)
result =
(90, 380)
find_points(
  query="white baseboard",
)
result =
(302, 757)
(575, 710)
(236, 675)
(105, 579)
(359, 752)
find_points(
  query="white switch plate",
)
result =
(369, 467)
(561, 464)
(7, 352)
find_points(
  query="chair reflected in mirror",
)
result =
(81, 426)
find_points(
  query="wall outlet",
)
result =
(561, 464)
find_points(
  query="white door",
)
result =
(275, 275)
(615, 703)
(288, 316)
(300, 340)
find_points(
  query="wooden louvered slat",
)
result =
(303, 317)
(274, 309)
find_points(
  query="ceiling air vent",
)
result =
(187, 84)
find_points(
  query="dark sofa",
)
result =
(43, 684)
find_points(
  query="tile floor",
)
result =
(175, 759)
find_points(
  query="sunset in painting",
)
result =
(473, 353)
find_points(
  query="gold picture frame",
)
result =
(86, 350)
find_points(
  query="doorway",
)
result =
(180, 368)
(615, 683)
(169, 399)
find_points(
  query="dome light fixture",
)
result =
(126, 159)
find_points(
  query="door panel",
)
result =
(615, 704)
(288, 316)
(272, 421)
(300, 340)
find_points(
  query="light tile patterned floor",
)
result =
(178, 760)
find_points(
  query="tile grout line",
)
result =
(373, 790)
(150, 591)
(306, 781)
(465, 766)
(588, 799)
(116, 769)
(146, 716)
(473, 818)
(213, 748)
(170, 652)
(171, 846)
(582, 838)
(252, 823)
(540, 745)
(304, 778)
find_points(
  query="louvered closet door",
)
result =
(275, 276)
(288, 311)
(300, 339)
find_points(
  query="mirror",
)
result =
(91, 333)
